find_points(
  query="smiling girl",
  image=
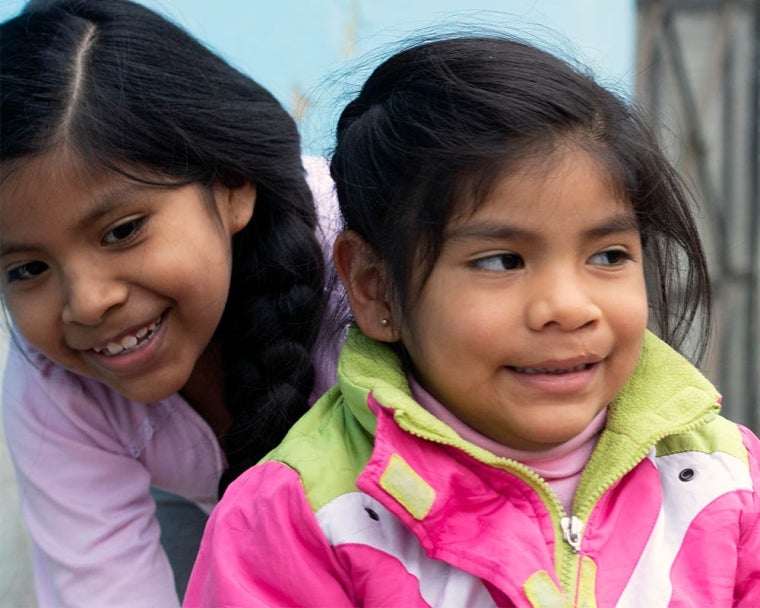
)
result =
(163, 270)
(505, 430)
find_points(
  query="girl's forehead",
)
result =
(553, 182)
(64, 174)
(40, 191)
(25, 175)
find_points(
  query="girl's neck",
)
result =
(204, 390)
(530, 458)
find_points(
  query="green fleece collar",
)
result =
(365, 366)
(664, 393)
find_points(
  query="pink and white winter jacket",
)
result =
(371, 501)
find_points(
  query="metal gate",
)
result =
(698, 78)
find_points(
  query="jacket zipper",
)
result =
(571, 531)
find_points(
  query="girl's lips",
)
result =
(132, 354)
(552, 379)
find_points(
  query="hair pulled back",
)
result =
(130, 92)
(435, 125)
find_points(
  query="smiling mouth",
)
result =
(130, 342)
(546, 370)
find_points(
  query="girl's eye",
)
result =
(611, 257)
(123, 232)
(26, 272)
(499, 262)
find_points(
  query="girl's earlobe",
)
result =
(364, 277)
(241, 202)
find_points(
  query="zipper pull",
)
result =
(571, 531)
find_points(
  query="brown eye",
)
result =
(26, 272)
(611, 257)
(500, 262)
(123, 232)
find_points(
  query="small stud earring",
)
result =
(384, 322)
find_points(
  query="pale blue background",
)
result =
(307, 52)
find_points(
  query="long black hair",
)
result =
(438, 123)
(131, 92)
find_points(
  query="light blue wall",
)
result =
(306, 51)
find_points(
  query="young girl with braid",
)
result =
(163, 270)
(505, 431)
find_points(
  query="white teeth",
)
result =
(128, 342)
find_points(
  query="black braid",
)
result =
(268, 332)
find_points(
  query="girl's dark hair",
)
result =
(130, 92)
(438, 123)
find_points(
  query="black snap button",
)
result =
(372, 514)
(686, 475)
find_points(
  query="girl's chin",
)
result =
(146, 394)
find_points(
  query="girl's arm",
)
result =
(86, 503)
(263, 547)
(747, 589)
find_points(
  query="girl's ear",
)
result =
(237, 204)
(364, 277)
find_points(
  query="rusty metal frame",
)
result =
(721, 161)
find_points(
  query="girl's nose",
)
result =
(88, 297)
(563, 301)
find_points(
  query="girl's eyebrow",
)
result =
(619, 223)
(489, 230)
(622, 222)
(9, 249)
